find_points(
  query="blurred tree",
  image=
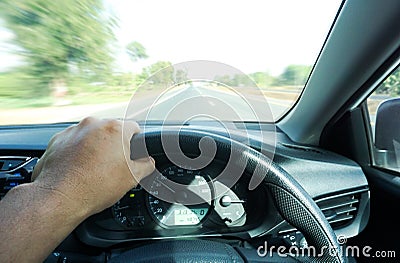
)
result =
(59, 36)
(121, 79)
(242, 80)
(294, 75)
(262, 79)
(136, 51)
(160, 74)
(180, 76)
(225, 79)
(237, 80)
(16, 84)
(391, 85)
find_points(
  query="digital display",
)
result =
(188, 216)
(173, 212)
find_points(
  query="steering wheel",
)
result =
(294, 204)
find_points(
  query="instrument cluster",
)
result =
(145, 214)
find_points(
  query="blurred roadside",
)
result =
(100, 104)
(112, 104)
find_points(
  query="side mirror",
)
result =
(387, 133)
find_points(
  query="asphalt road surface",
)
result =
(199, 103)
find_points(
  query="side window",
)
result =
(384, 112)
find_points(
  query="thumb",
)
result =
(140, 168)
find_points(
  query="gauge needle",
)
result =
(166, 186)
(238, 201)
(226, 201)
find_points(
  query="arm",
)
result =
(33, 222)
(84, 170)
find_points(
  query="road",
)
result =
(184, 102)
(198, 102)
(180, 104)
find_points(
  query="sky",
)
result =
(249, 35)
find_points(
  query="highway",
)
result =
(198, 102)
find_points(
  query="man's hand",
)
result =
(87, 164)
(85, 169)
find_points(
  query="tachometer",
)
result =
(175, 213)
(127, 211)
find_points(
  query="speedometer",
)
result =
(174, 212)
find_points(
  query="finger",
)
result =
(61, 134)
(130, 128)
(54, 138)
(87, 121)
(140, 168)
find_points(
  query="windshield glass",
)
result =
(64, 60)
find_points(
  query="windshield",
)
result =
(159, 60)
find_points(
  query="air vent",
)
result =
(301, 148)
(340, 209)
(8, 163)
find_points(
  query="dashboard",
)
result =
(142, 214)
(336, 183)
(226, 210)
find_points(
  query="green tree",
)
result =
(391, 85)
(294, 75)
(136, 51)
(58, 37)
(242, 80)
(180, 76)
(225, 79)
(122, 80)
(237, 80)
(262, 79)
(160, 74)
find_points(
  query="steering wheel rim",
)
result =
(293, 203)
